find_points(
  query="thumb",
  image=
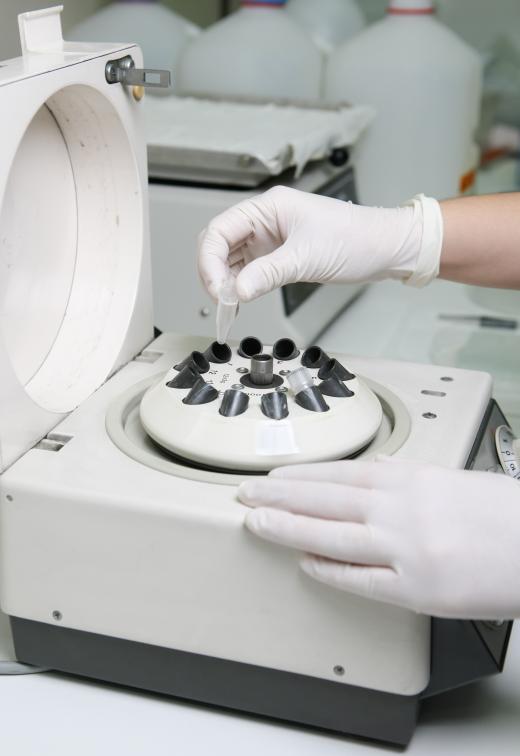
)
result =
(267, 273)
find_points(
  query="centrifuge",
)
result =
(124, 555)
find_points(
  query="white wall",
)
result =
(9, 43)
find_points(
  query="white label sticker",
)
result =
(276, 438)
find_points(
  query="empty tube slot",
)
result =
(185, 378)
(249, 346)
(201, 393)
(218, 353)
(285, 349)
(312, 399)
(196, 360)
(234, 402)
(334, 387)
(314, 357)
(274, 405)
(334, 368)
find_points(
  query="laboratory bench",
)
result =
(50, 714)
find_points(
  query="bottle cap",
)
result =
(411, 7)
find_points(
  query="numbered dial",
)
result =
(508, 449)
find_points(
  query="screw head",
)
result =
(138, 93)
(429, 415)
(242, 370)
(281, 389)
(339, 670)
(285, 372)
(204, 312)
(56, 615)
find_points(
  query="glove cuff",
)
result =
(429, 256)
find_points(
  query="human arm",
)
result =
(436, 541)
(481, 241)
(284, 236)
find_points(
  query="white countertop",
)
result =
(54, 715)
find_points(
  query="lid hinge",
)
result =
(123, 71)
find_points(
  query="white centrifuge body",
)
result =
(119, 562)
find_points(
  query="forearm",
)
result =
(481, 243)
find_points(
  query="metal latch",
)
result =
(123, 71)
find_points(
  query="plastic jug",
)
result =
(480, 22)
(425, 84)
(258, 52)
(160, 33)
(328, 22)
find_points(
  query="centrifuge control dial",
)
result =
(254, 407)
(508, 448)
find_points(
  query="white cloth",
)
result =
(276, 135)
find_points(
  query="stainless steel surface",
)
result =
(123, 71)
(261, 369)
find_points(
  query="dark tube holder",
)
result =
(234, 402)
(274, 405)
(201, 393)
(285, 349)
(314, 357)
(186, 378)
(333, 368)
(311, 399)
(218, 353)
(249, 346)
(197, 361)
(334, 387)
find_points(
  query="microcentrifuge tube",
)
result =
(227, 309)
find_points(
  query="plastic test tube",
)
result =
(299, 380)
(227, 309)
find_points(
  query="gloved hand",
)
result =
(437, 541)
(284, 236)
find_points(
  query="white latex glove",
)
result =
(437, 541)
(284, 236)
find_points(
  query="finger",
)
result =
(347, 542)
(267, 273)
(225, 233)
(329, 501)
(364, 474)
(378, 583)
(353, 473)
(236, 257)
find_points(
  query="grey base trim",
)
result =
(336, 707)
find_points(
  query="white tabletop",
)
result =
(51, 714)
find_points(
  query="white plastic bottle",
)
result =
(480, 22)
(258, 52)
(425, 84)
(160, 33)
(328, 22)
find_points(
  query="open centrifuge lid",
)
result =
(75, 295)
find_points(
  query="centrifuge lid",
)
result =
(75, 295)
